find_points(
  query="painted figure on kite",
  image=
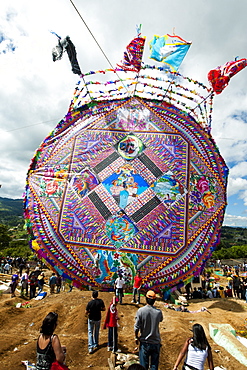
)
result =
(130, 179)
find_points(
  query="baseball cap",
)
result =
(151, 294)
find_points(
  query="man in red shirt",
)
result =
(136, 287)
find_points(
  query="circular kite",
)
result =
(129, 180)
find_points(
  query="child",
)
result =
(112, 325)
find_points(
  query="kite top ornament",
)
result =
(129, 180)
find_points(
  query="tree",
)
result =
(236, 251)
(4, 237)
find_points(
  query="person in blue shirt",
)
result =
(52, 282)
(13, 284)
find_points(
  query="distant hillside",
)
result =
(11, 206)
(11, 211)
(233, 236)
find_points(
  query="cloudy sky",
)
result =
(35, 92)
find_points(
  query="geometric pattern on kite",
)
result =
(141, 187)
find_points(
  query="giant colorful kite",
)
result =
(130, 179)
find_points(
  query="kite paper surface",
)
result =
(169, 49)
(220, 76)
(133, 55)
(123, 185)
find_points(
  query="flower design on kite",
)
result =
(51, 187)
(208, 200)
(202, 185)
(195, 197)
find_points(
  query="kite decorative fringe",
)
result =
(171, 87)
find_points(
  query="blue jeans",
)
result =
(112, 338)
(93, 333)
(148, 351)
(136, 292)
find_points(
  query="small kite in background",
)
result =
(58, 50)
(132, 58)
(220, 76)
(169, 49)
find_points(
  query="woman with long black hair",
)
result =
(196, 350)
(49, 348)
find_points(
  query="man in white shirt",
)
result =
(209, 294)
(7, 268)
(119, 287)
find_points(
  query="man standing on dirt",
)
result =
(136, 288)
(236, 285)
(147, 323)
(119, 288)
(52, 282)
(93, 312)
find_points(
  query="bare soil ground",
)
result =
(19, 328)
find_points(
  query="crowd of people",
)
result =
(7, 264)
(210, 288)
(195, 351)
(31, 281)
(146, 330)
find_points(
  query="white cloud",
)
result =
(236, 185)
(237, 182)
(240, 169)
(235, 221)
(243, 195)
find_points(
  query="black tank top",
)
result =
(45, 357)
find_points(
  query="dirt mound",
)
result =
(20, 329)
